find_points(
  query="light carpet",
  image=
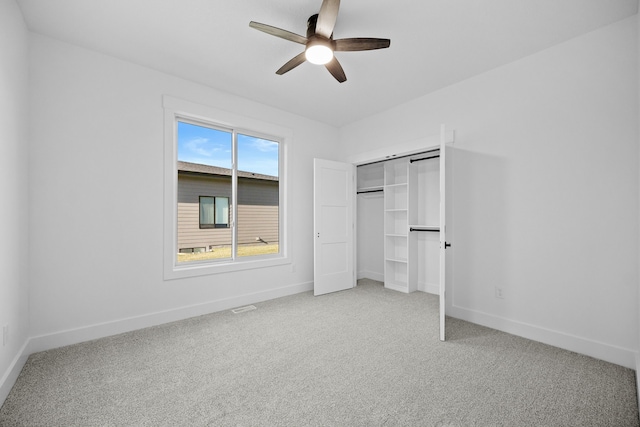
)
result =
(363, 357)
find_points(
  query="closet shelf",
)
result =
(399, 260)
(396, 210)
(395, 235)
(401, 184)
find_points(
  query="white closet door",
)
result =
(333, 207)
(443, 230)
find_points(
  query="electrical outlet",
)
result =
(499, 293)
(5, 334)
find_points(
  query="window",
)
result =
(214, 212)
(224, 191)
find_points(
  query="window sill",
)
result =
(196, 269)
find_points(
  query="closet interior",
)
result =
(398, 217)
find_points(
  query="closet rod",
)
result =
(369, 191)
(423, 158)
(437, 230)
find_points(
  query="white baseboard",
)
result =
(430, 288)
(101, 330)
(403, 288)
(370, 275)
(607, 352)
(11, 375)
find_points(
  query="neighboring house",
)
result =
(205, 203)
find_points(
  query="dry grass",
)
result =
(225, 252)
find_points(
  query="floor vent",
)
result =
(243, 309)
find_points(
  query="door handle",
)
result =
(446, 245)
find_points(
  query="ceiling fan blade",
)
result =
(356, 44)
(278, 32)
(336, 70)
(293, 63)
(327, 17)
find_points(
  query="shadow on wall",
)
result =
(480, 267)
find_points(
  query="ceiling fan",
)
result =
(319, 43)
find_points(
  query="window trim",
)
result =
(175, 109)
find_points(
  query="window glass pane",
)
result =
(206, 211)
(222, 211)
(204, 169)
(258, 196)
(204, 145)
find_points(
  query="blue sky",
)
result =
(198, 144)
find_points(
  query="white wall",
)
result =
(370, 236)
(97, 194)
(13, 191)
(544, 191)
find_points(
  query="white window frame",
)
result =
(175, 109)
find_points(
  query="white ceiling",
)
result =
(434, 43)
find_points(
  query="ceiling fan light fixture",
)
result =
(319, 43)
(319, 52)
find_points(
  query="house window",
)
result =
(214, 212)
(243, 167)
(227, 192)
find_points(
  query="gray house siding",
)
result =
(257, 210)
(190, 188)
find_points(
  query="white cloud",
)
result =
(265, 145)
(202, 147)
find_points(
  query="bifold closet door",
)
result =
(333, 226)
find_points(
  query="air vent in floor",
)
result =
(243, 309)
